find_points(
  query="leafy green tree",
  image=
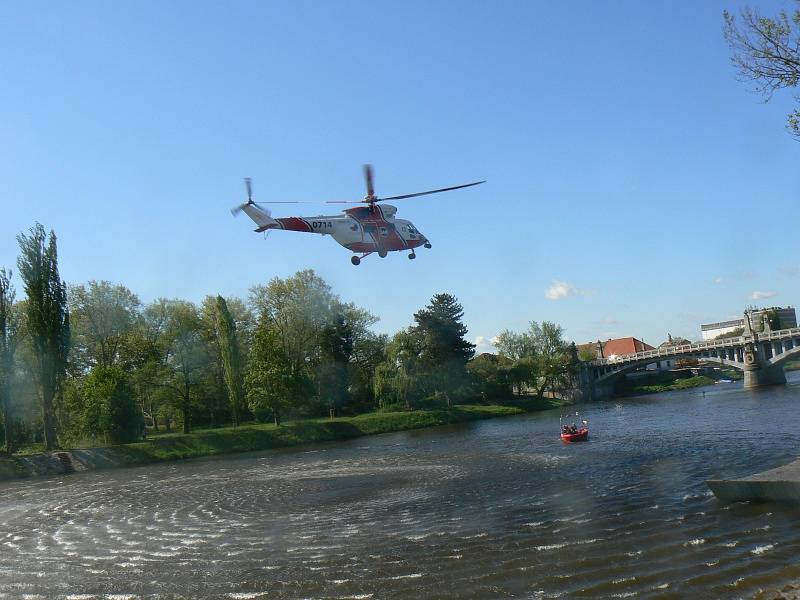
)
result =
(320, 335)
(555, 363)
(735, 333)
(515, 345)
(337, 349)
(102, 315)
(298, 308)
(766, 51)
(445, 351)
(369, 351)
(399, 379)
(542, 359)
(109, 406)
(493, 376)
(9, 327)
(271, 383)
(47, 319)
(231, 361)
(185, 356)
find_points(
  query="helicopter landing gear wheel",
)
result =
(428, 245)
(382, 253)
(412, 256)
(355, 260)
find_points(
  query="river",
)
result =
(492, 509)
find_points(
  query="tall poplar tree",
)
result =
(47, 319)
(230, 356)
(8, 330)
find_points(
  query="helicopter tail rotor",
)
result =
(261, 216)
(248, 183)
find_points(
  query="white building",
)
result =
(712, 330)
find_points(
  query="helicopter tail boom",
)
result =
(260, 216)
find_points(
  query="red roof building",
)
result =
(617, 347)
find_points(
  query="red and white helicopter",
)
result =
(361, 229)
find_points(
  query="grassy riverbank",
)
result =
(310, 431)
(252, 437)
(679, 384)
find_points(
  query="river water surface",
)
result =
(493, 509)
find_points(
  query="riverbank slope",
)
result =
(253, 437)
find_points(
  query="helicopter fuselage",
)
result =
(363, 229)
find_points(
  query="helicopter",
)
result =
(363, 230)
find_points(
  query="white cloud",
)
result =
(762, 295)
(718, 280)
(484, 344)
(561, 289)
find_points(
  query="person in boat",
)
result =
(573, 428)
(565, 429)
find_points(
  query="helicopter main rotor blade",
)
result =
(447, 189)
(368, 180)
(313, 202)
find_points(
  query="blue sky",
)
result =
(629, 173)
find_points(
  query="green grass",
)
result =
(265, 436)
(680, 384)
(252, 437)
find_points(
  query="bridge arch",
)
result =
(786, 356)
(634, 365)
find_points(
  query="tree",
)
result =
(47, 318)
(445, 351)
(735, 333)
(369, 351)
(766, 51)
(102, 315)
(109, 407)
(493, 375)
(230, 357)
(515, 345)
(185, 357)
(332, 374)
(542, 359)
(271, 382)
(8, 341)
(298, 308)
(398, 379)
(555, 362)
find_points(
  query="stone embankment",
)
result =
(776, 485)
(62, 462)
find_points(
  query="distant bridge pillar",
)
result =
(590, 388)
(758, 373)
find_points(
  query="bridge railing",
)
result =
(671, 351)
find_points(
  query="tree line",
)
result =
(91, 364)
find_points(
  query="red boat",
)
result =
(579, 436)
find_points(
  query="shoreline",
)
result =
(255, 437)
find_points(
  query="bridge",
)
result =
(760, 356)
